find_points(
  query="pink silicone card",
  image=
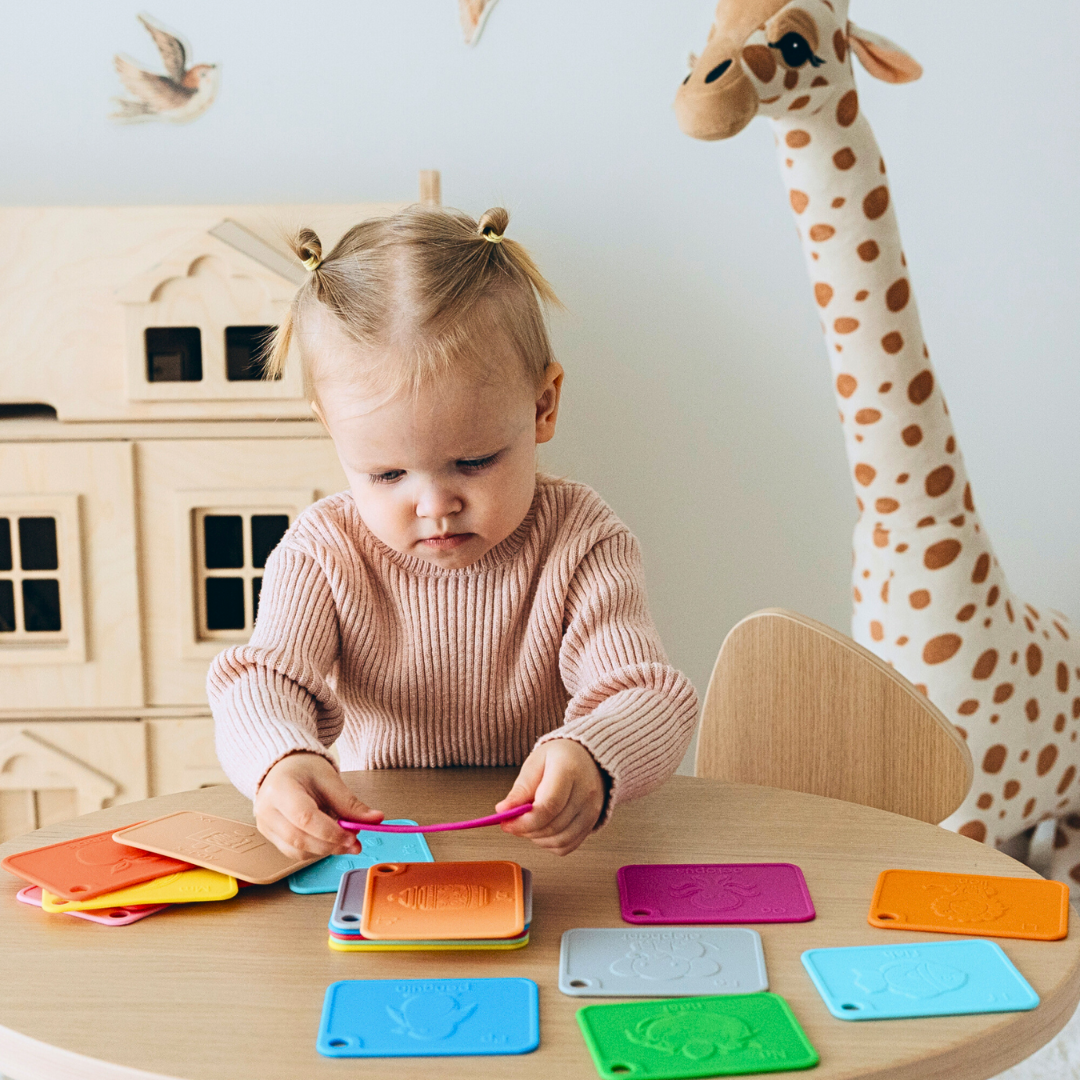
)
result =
(714, 893)
(114, 916)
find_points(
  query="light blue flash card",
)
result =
(325, 875)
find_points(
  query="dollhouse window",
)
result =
(244, 346)
(231, 552)
(30, 608)
(173, 354)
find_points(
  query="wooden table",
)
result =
(233, 991)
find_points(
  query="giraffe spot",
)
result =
(845, 324)
(1062, 677)
(965, 612)
(1047, 757)
(797, 138)
(957, 521)
(993, 759)
(885, 593)
(1059, 722)
(988, 623)
(1012, 618)
(881, 537)
(847, 108)
(982, 564)
(898, 294)
(984, 666)
(821, 232)
(822, 293)
(1015, 656)
(969, 504)
(974, 830)
(940, 480)
(921, 687)
(903, 478)
(941, 554)
(867, 416)
(819, 81)
(919, 599)
(1076, 708)
(844, 159)
(877, 631)
(799, 103)
(799, 200)
(985, 801)
(1034, 659)
(881, 169)
(787, 161)
(966, 708)
(901, 548)
(1012, 789)
(941, 648)
(921, 387)
(992, 596)
(1064, 633)
(1003, 692)
(924, 522)
(1031, 709)
(1066, 779)
(760, 60)
(838, 202)
(892, 343)
(791, 79)
(866, 573)
(902, 640)
(884, 388)
(1028, 807)
(839, 44)
(845, 387)
(814, 256)
(877, 202)
(865, 474)
(868, 250)
(857, 595)
(1029, 624)
(1061, 838)
(886, 506)
(950, 445)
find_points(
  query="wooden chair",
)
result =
(793, 704)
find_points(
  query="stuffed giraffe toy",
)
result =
(929, 595)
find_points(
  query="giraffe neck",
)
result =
(905, 464)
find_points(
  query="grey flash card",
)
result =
(663, 961)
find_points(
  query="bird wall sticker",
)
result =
(474, 14)
(181, 95)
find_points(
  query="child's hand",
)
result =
(565, 786)
(293, 803)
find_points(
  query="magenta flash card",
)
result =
(714, 893)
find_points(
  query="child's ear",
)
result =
(547, 402)
(882, 58)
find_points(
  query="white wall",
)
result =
(698, 398)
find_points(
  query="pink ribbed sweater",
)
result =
(406, 664)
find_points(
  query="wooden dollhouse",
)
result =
(146, 472)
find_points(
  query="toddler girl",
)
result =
(451, 607)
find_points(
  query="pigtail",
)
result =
(307, 247)
(492, 229)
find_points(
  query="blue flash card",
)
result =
(429, 1017)
(937, 978)
(325, 875)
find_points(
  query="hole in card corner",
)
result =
(350, 918)
(850, 1006)
(578, 983)
(887, 916)
(79, 888)
(622, 1070)
(338, 1042)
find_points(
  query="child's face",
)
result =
(449, 473)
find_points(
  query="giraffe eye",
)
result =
(718, 71)
(796, 51)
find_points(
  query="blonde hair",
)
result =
(426, 287)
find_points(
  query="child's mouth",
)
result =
(447, 541)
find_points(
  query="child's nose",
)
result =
(437, 502)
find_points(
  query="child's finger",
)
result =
(287, 838)
(524, 789)
(321, 833)
(569, 838)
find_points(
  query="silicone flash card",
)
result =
(188, 887)
(325, 875)
(89, 866)
(690, 1037)
(443, 901)
(115, 916)
(937, 978)
(674, 961)
(349, 905)
(363, 945)
(714, 893)
(429, 1017)
(229, 847)
(970, 904)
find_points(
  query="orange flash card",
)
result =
(89, 866)
(229, 847)
(443, 901)
(970, 904)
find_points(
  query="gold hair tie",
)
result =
(492, 237)
(313, 262)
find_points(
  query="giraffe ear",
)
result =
(883, 59)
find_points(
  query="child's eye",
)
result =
(477, 464)
(386, 477)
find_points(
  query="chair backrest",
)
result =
(793, 704)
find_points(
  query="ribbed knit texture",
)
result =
(403, 663)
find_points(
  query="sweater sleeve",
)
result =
(628, 707)
(272, 697)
